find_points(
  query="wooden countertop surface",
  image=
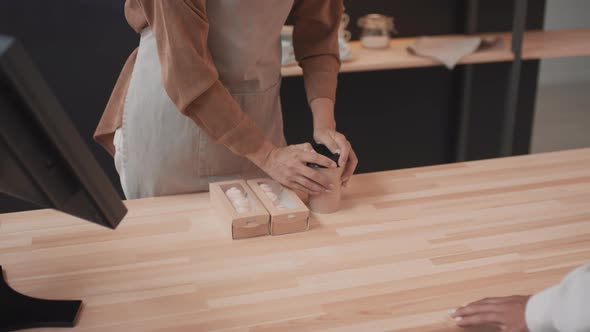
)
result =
(408, 246)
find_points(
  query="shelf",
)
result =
(397, 57)
(537, 45)
(556, 44)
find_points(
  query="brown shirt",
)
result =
(181, 30)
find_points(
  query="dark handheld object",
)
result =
(324, 151)
(44, 160)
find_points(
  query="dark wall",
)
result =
(79, 47)
(395, 119)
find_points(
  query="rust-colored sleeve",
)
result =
(189, 75)
(315, 39)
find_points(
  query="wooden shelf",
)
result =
(397, 57)
(556, 44)
(537, 45)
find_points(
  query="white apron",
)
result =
(159, 151)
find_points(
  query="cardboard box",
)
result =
(293, 219)
(253, 223)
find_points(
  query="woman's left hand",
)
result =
(337, 143)
(507, 313)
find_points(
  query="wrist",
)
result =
(323, 114)
(260, 156)
(324, 126)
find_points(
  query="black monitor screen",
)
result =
(43, 159)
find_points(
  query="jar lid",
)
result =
(324, 151)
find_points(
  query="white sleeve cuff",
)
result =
(539, 310)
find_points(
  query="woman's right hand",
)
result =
(288, 166)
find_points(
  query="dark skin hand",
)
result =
(506, 313)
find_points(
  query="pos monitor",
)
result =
(44, 160)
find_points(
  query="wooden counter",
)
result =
(408, 246)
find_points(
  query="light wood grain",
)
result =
(537, 45)
(407, 246)
(556, 44)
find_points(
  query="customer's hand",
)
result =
(507, 313)
(288, 166)
(337, 143)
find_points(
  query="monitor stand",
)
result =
(18, 311)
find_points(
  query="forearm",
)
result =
(323, 114)
(315, 39)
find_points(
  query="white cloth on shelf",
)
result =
(450, 50)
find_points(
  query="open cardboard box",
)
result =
(255, 222)
(293, 219)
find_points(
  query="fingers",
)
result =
(305, 147)
(480, 319)
(478, 313)
(318, 178)
(316, 158)
(330, 143)
(309, 184)
(493, 300)
(476, 309)
(297, 186)
(351, 165)
(508, 313)
(344, 147)
(336, 143)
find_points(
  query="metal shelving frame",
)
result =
(513, 82)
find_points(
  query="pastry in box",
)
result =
(240, 209)
(287, 212)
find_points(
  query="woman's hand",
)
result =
(325, 133)
(507, 313)
(337, 143)
(288, 166)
